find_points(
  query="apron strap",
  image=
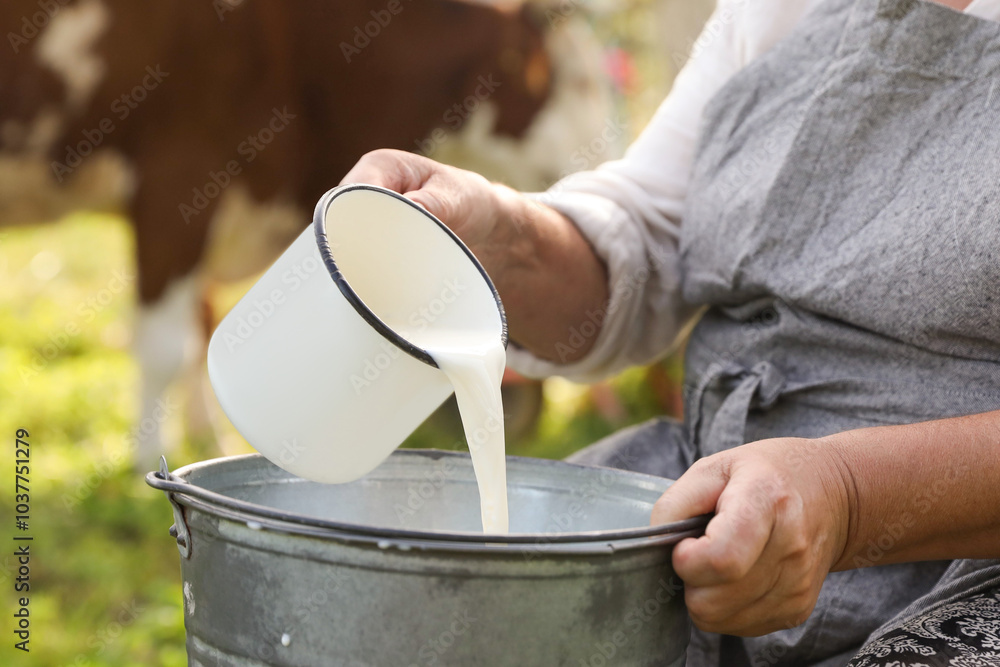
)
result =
(758, 387)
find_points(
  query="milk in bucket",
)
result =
(326, 370)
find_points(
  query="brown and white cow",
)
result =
(215, 125)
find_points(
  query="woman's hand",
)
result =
(789, 510)
(781, 521)
(546, 273)
(470, 205)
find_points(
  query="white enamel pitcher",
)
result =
(313, 366)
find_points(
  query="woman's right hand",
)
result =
(469, 204)
(547, 274)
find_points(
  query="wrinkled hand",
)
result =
(465, 201)
(546, 272)
(781, 522)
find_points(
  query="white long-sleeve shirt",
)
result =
(630, 209)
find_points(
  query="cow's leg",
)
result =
(170, 241)
(201, 409)
(167, 340)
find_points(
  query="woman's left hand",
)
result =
(781, 521)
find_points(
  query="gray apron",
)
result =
(843, 229)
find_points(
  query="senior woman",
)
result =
(821, 193)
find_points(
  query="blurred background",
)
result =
(88, 284)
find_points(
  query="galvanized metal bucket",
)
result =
(392, 569)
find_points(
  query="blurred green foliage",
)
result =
(104, 574)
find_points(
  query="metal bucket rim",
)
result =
(484, 546)
(186, 493)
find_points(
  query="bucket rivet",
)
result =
(173, 533)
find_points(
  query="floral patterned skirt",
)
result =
(960, 633)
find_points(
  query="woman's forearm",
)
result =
(924, 491)
(550, 277)
(790, 510)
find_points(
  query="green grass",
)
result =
(104, 575)
(105, 585)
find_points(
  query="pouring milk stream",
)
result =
(345, 299)
(474, 361)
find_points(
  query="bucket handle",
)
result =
(179, 531)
